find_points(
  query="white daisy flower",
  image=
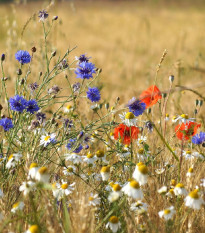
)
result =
(162, 190)
(113, 224)
(132, 189)
(167, 213)
(139, 207)
(42, 175)
(167, 117)
(190, 172)
(170, 193)
(182, 119)
(26, 187)
(128, 118)
(17, 206)
(89, 159)
(100, 155)
(47, 139)
(116, 193)
(33, 170)
(193, 200)
(13, 160)
(105, 173)
(203, 183)
(141, 173)
(94, 200)
(188, 154)
(68, 171)
(68, 108)
(124, 154)
(74, 158)
(33, 229)
(179, 190)
(141, 140)
(65, 189)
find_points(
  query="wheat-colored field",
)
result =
(136, 44)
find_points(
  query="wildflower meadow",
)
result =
(74, 161)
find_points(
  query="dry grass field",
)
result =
(136, 44)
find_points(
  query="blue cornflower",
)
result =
(72, 144)
(136, 106)
(18, 103)
(6, 123)
(43, 15)
(32, 106)
(199, 138)
(85, 70)
(93, 94)
(83, 58)
(23, 56)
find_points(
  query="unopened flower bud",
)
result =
(171, 78)
(149, 110)
(40, 74)
(22, 81)
(200, 103)
(55, 17)
(118, 99)
(107, 105)
(33, 49)
(196, 102)
(4, 79)
(19, 72)
(53, 53)
(1, 107)
(195, 111)
(100, 106)
(164, 95)
(3, 57)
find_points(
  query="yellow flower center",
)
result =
(173, 182)
(47, 138)
(34, 229)
(190, 170)
(129, 116)
(11, 156)
(138, 204)
(171, 191)
(140, 164)
(116, 187)
(179, 185)
(105, 169)
(188, 152)
(113, 219)
(64, 186)
(100, 153)
(167, 115)
(89, 155)
(141, 151)
(70, 169)
(194, 194)
(167, 211)
(143, 169)
(91, 198)
(185, 116)
(174, 118)
(68, 107)
(43, 170)
(16, 205)
(111, 134)
(134, 184)
(33, 165)
(54, 185)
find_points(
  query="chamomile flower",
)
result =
(190, 172)
(141, 140)
(68, 108)
(94, 200)
(128, 118)
(47, 139)
(42, 175)
(167, 213)
(74, 158)
(69, 170)
(162, 190)
(139, 207)
(113, 224)
(141, 173)
(89, 158)
(193, 200)
(142, 155)
(65, 188)
(116, 193)
(17, 206)
(183, 119)
(26, 187)
(33, 170)
(33, 229)
(124, 154)
(187, 154)
(100, 155)
(179, 190)
(132, 189)
(167, 117)
(105, 173)
(203, 183)
(170, 193)
(13, 160)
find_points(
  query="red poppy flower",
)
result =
(185, 131)
(126, 133)
(151, 96)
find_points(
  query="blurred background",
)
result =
(125, 38)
